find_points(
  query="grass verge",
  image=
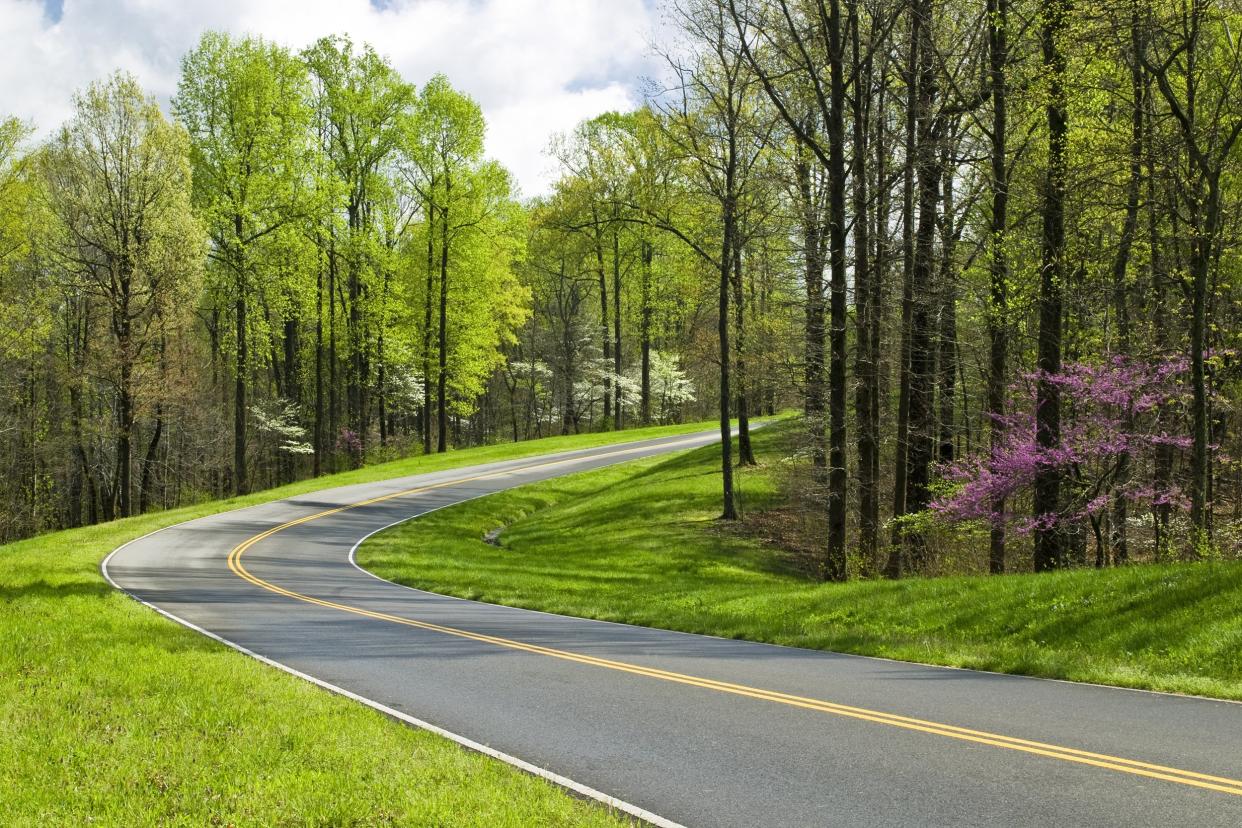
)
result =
(639, 543)
(111, 714)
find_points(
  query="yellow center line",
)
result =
(1067, 754)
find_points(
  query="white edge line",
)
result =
(543, 773)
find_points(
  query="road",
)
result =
(676, 728)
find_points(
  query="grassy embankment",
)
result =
(110, 713)
(638, 543)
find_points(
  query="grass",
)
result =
(112, 714)
(639, 543)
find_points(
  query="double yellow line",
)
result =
(1114, 763)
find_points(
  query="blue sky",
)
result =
(537, 67)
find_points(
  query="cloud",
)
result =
(535, 66)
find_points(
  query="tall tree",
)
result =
(867, 290)
(363, 101)
(118, 189)
(1196, 62)
(714, 129)
(1134, 36)
(448, 143)
(998, 227)
(1050, 550)
(795, 42)
(245, 105)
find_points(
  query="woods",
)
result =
(987, 250)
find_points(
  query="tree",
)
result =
(714, 127)
(1061, 180)
(13, 189)
(650, 186)
(794, 41)
(245, 105)
(447, 143)
(671, 388)
(998, 227)
(1050, 552)
(482, 304)
(363, 102)
(1117, 403)
(1196, 63)
(118, 188)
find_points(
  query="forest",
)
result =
(986, 251)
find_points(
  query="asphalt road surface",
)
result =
(680, 729)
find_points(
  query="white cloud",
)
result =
(535, 66)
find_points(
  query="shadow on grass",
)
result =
(38, 590)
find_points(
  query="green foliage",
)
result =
(14, 190)
(118, 186)
(25, 320)
(469, 205)
(245, 104)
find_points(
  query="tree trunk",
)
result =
(645, 333)
(865, 365)
(1118, 539)
(334, 400)
(427, 305)
(605, 335)
(1200, 267)
(83, 466)
(946, 356)
(293, 385)
(355, 391)
(442, 341)
(879, 378)
(616, 323)
(381, 388)
(729, 508)
(1162, 463)
(835, 561)
(148, 462)
(1050, 549)
(318, 433)
(901, 467)
(812, 247)
(921, 414)
(125, 429)
(241, 485)
(998, 310)
(745, 454)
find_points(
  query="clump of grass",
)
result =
(638, 543)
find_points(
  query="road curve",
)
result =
(677, 728)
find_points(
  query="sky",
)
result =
(536, 67)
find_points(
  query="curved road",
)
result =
(679, 728)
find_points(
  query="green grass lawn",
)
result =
(639, 543)
(113, 714)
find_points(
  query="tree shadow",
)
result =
(40, 589)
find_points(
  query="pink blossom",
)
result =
(1116, 408)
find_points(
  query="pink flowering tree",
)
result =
(1111, 424)
(349, 443)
